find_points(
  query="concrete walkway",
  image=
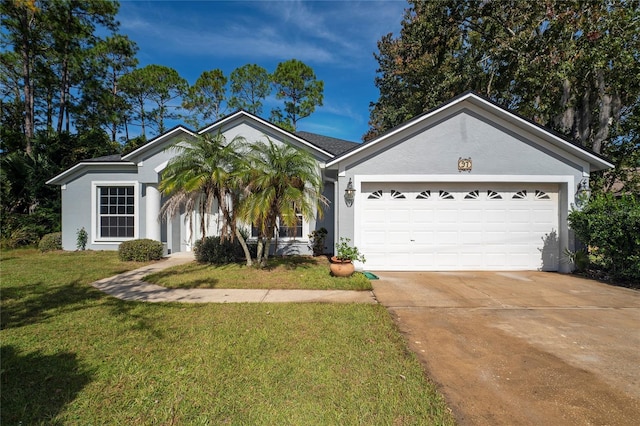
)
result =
(129, 286)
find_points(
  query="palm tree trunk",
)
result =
(245, 247)
(265, 253)
(260, 251)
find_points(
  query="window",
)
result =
(493, 195)
(424, 195)
(520, 195)
(291, 231)
(116, 212)
(284, 231)
(541, 195)
(376, 195)
(444, 195)
(473, 195)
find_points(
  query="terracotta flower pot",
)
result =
(341, 268)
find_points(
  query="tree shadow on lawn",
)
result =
(36, 387)
(33, 303)
(158, 277)
(293, 262)
(138, 316)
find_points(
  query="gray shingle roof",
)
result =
(333, 145)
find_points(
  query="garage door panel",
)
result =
(446, 215)
(447, 261)
(520, 215)
(447, 238)
(495, 216)
(498, 227)
(374, 238)
(422, 216)
(398, 237)
(468, 215)
(402, 216)
(472, 238)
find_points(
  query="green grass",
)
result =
(292, 272)
(72, 355)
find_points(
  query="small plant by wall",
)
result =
(81, 239)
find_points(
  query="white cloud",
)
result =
(340, 33)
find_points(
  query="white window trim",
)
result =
(95, 203)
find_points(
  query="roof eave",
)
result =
(155, 141)
(60, 179)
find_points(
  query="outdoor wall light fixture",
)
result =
(583, 193)
(349, 194)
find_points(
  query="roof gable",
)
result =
(267, 129)
(481, 106)
(159, 142)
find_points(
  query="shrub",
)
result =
(51, 242)
(317, 238)
(20, 237)
(140, 250)
(610, 227)
(213, 250)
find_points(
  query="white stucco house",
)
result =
(465, 186)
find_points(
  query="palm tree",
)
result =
(280, 182)
(199, 177)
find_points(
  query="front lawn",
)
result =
(291, 272)
(72, 355)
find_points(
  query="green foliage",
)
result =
(141, 250)
(51, 242)
(610, 227)
(81, 239)
(281, 182)
(250, 85)
(153, 85)
(205, 98)
(296, 83)
(579, 259)
(19, 237)
(199, 176)
(317, 238)
(569, 65)
(215, 251)
(344, 251)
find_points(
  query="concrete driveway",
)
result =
(522, 348)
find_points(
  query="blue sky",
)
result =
(335, 38)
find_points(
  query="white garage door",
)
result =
(465, 226)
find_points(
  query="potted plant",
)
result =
(342, 262)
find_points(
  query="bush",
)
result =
(610, 227)
(20, 237)
(142, 250)
(317, 238)
(51, 242)
(213, 250)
